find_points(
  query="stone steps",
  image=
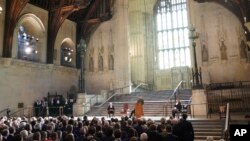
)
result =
(153, 102)
(204, 128)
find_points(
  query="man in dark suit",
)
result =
(166, 134)
(177, 108)
(187, 131)
(111, 109)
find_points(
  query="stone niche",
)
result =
(220, 53)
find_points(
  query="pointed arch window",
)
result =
(172, 34)
(66, 56)
(27, 46)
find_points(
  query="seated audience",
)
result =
(65, 128)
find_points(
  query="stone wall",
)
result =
(25, 81)
(141, 41)
(110, 38)
(221, 46)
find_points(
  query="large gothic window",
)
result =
(27, 45)
(172, 34)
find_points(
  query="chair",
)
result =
(124, 110)
(222, 111)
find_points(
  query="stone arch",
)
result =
(34, 27)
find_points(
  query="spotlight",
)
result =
(66, 58)
(1, 9)
(28, 50)
(24, 35)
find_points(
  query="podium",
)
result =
(138, 110)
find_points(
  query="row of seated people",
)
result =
(53, 106)
(65, 128)
(177, 110)
(137, 111)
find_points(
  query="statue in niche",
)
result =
(204, 53)
(243, 53)
(100, 63)
(111, 62)
(222, 36)
(91, 64)
(223, 50)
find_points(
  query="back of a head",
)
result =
(37, 136)
(69, 128)
(92, 130)
(70, 137)
(17, 137)
(108, 132)
(133, 139)
(12, 130)
(54, 136)
(169, 128)
(184, 116)
(24, 134)
(210, 138)
(144, 137)
(117, 133)
(43, 135)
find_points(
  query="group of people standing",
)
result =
(52, 106)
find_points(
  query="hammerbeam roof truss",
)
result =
(86, 13)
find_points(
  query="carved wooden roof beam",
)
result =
(13, 10)
(56, 18)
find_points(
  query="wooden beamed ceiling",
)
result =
(241, 9)
(86, 13)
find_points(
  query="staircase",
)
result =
(204, 128)
(153, 102)
(214, 127)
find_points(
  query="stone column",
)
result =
(79, 108)
(199, 103)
